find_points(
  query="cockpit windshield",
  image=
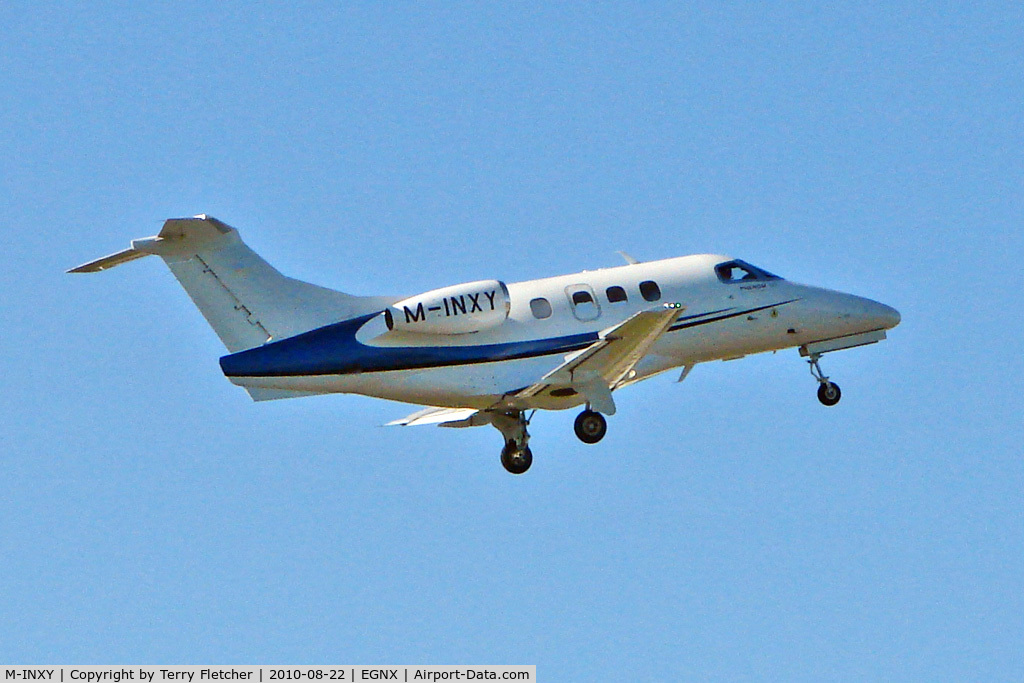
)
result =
(741, 271)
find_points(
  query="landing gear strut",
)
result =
(590, 426)
(516, 456)
(828, 391)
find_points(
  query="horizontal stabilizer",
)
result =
(117, 259)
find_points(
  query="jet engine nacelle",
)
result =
(459, 309)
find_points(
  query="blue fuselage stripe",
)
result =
(334, 350)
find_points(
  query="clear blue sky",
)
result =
(727, 528)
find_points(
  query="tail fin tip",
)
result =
(176, 232)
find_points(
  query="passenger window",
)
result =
(583, 301)
(649, 290)
(615, 294)
(541, 308)
(582, 298)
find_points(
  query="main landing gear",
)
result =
(590, 426)
(516, 456)
(516, 459)
(828, 391)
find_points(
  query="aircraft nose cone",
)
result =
(835, 314)
(887, 316)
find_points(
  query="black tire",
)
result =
(590, 426)
(829, 394)
(516, 460)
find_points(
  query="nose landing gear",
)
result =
(829, 394)
(828, 391)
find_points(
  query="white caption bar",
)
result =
(347, 673)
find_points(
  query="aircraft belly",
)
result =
(478, 385)
(747, 334)
(332, 360)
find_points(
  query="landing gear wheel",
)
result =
(515, 459)
(590, 426)
(829, 394)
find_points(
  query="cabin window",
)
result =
(582, 298)
(615, 294)
(584, 302)
(649, 290)
(541, 308)
(741, 271)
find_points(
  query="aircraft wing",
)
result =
(445, 417)
(598, 369)
(593, 372)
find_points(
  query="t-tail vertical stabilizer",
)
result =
(246, 300)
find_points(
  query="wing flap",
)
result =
(606, 363)
(593, 372)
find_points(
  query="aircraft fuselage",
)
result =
(727, 312)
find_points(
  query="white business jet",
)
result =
(493, 353)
